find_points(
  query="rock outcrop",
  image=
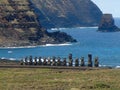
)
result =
(67, 13)
(107, 24)
(19, 26)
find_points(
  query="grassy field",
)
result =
(51, 79)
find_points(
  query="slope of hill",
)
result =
(19, 26)
(67, 13)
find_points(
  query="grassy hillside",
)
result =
(48, 79)
(19, 26)
(17, 22)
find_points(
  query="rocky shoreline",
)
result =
(33, 46)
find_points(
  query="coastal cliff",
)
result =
(19, 26)
(107, 24)
(67, 13)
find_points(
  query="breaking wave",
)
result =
(64, 44)
(58, 29)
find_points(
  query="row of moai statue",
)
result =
(58, 62)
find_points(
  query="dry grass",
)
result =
(25, 2)
(47, 79)
(3, 1)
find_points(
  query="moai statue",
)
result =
(44, 62)
(49, 62)
(77, 62)
(53, 62)
(64, 62)
(82, 64)
(35, 62)
(89, 60)
(58, 62)
(40, 61)
(30, 60)
(96, 62)
(70, 60)
(26, 61)
(21, 62)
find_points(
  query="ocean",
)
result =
(105, 46)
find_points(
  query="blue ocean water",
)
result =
(106, 46)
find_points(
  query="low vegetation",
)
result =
(52, 79)
(19, 19)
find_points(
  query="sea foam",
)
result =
(64, 44)
(117, 67)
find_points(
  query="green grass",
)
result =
(48, 79)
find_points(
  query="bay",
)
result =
(106, 46)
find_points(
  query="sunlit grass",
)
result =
(47, 79)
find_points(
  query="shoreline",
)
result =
(46, 45)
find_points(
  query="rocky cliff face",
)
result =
(107, 24)
(67, 13)
(19, 26)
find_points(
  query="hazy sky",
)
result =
(109, 6)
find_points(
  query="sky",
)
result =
(109, 6)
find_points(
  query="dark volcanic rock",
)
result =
(67, 13)
(19, 26)
(107, 24)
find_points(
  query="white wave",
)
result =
(3, 58)
(10, 52)
(64, 44)
(102, 65)
(54, 29)
(86, 27)
(106, 66)
(57, 29)
(12, 59)
(117, 67)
